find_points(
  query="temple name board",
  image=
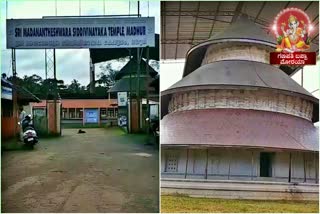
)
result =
(74, 33)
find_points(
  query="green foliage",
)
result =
(182, 204)
(43, 88)
(107, 77)
(279, 39)
(308, 41)
(74, 87)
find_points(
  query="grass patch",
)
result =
(14, 146)
(179, 203)
(137, 138)
(116, 131)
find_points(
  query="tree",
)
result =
(74, 87)
(33, 83)
(107, 77)
(48, 85)
(83, 89)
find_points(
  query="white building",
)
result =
(237, 127)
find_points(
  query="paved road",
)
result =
(103, 170)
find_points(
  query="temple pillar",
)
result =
(185, 174)
(304, 168)
(290, 163)
(83, 117)
(316, 166)
(252, 164)
(54, 117)
(206, 177)
(229, 163)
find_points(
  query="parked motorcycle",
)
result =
(30, 137)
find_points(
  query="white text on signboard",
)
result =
(76, 33)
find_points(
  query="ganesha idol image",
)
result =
(292, 28)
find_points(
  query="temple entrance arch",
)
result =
(120, 33)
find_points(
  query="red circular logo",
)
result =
(292, 28)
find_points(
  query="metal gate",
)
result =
(40, 121)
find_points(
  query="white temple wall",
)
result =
(310, 165)
(297, 165)
(218, 162)
(173, 162)
(241, 163)
(182, 161)
(241, 99)
(244, 165)
(281, 165)
(238, 51)
(163, 160)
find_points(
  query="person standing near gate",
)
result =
(21, 117)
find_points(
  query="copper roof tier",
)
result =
(210, 114)
(238, 128)
(239, 74)
(243, 30)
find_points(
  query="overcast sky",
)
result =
(72, 63)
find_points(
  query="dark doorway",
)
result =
(265, 164)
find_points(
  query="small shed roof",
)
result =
(23, 94)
